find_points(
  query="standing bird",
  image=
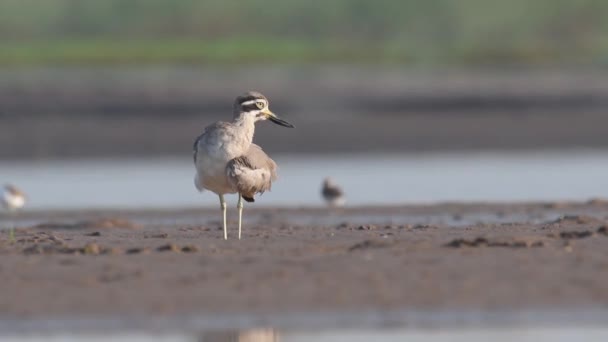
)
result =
(226, 159)
(13, 199)
(332, 193)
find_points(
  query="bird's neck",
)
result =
(245, 124)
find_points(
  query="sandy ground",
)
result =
(488, 257)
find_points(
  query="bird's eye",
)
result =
(260, 105)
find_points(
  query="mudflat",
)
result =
(532, 256)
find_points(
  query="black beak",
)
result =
(280, 122)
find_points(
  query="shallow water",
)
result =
(416, 326)
(498, 335)
(366, 179)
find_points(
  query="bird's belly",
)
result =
(211, 175)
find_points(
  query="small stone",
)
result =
(368, 244)
(157, 236)
(423, 226)
(367, 227)
(575, 234)
(137, 250)
(94, 234)
(91, 249)
(169, 248)
(190, 249)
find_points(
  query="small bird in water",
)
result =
(332, 193)
(226, 159)
(13, 199)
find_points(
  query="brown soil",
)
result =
(107, 267)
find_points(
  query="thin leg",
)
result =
(239, 205)
(223, 205)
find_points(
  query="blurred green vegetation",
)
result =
(435, 32)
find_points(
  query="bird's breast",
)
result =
(11, 202)
(211, 173)
(214, 151)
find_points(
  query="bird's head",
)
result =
(328, 181)
(255, 104)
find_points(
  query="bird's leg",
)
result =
(239, 205)
(223, 206)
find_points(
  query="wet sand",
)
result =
(445, 257)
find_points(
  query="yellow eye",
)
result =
(260, 105)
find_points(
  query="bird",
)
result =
(13, 199)
(228, 162)
(332, 193)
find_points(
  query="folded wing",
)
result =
(252, 173)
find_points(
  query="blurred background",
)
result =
(445, 99)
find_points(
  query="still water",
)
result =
(366, 179)
(525, 335)
(414, 326)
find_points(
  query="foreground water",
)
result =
(366, 179)
(415, 327)
(263, 335)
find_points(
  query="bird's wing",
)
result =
(332, 191)
(210, 130)
(253, 172)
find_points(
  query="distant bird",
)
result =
(13, 199)
(332, 193)
(227, 161)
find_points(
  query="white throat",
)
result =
(245, 123)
